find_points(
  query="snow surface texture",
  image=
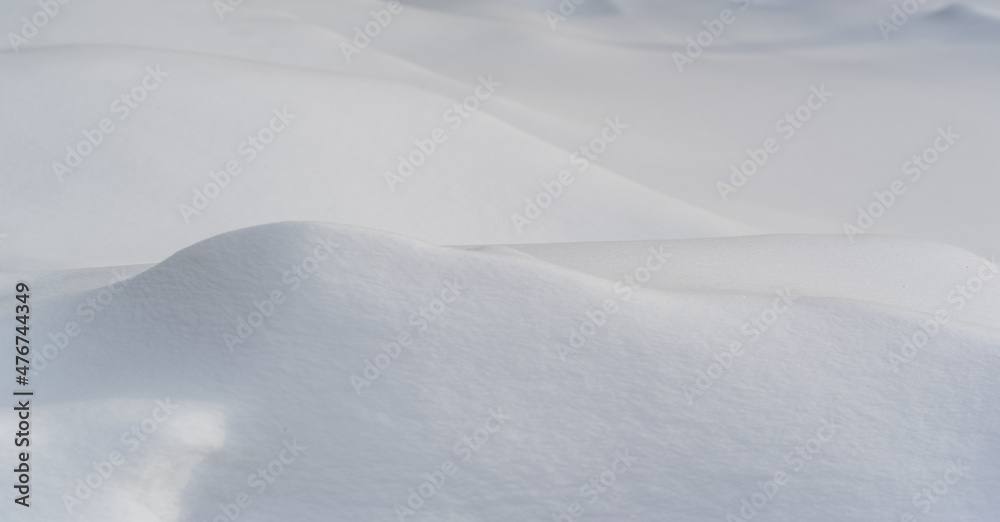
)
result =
(296, 344)
(504, 344)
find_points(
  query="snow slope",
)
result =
(821, 378)
(685, 129)
(879, 269)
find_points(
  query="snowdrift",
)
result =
(355, 118)
(303, 371)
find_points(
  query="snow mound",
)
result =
(294, 369)
(146, 197)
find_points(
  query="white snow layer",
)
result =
(642, 347)
(585, 373)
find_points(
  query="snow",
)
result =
(515, 330)
(496, 346)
